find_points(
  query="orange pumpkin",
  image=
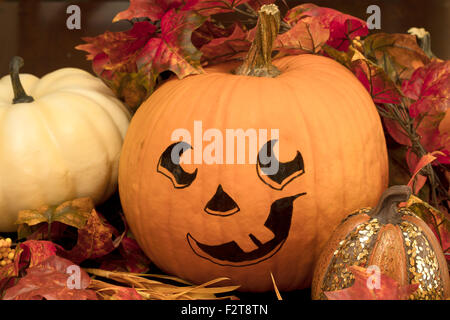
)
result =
(396, 241)
(205, 220)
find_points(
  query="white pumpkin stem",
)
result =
(258, 62)
(423, 38)
(387, 208)
(20, 95)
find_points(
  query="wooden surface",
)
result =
(36, 30)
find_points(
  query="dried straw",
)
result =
(151, 289)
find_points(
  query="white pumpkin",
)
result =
(63, 145)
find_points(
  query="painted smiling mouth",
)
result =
(230, 254)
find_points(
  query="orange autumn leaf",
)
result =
(423, 162)
(369, 286)
(398, 54)
(308, 35)
(73, 213)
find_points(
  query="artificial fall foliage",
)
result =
(38, 267)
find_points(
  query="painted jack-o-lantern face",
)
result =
(221, 204)
(201, 221)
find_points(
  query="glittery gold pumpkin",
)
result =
(394, 239)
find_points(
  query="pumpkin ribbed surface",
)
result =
(321, 111)
(403, 248)
(63, 145)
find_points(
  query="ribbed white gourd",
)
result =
(63, 145)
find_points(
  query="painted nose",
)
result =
(221, 204)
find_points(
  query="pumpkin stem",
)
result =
(258, 62)
(423, 39)
(19, 93)
(386, 210)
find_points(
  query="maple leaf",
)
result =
(343, 27)
(95, 240)
(398, 54)
(233, 46)
(152, 9)
(156, 9)
(364, 289)
(49, 280)
(211, 7)
(308, 35)
(172, 49)
(116, 51)
(208, 31)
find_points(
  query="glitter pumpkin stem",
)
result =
(386, 210)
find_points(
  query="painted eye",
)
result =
(274, 173)
(169, 165)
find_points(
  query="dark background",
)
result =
(36, 30)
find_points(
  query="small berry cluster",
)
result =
(6, 252)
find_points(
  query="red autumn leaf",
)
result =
(34, 252)
(156, 9)
(308, 35)
(367, 287)
(380, 86)
(398, 54)
(152, 9)
(211, 7)
(429, 87)
(209, 31)
(27, 254)
(172, 49)
(227, 48)
(132, 258)
(95, 240)
(343, 27)
(50, 280)
(429, 90)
